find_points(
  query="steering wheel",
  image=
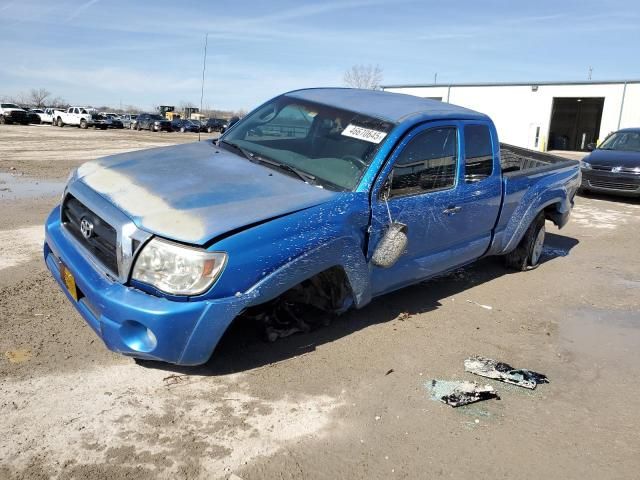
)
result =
(357, 161)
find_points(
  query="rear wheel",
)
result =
(83, 124)
(60, 123)
(2, 120)
(527, 254)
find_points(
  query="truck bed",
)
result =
(532, 180)
(516, 160)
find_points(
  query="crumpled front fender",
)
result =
(342, 252)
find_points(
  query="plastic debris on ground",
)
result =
(503, 372)
(486, 307)
(458, 393)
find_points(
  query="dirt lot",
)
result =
(345, 401)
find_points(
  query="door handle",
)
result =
(451, 210)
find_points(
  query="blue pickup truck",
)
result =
(321, 197)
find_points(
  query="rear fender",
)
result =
(556, 209)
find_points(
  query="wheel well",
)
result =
(327, 291)
(552, 212)
(305, 304)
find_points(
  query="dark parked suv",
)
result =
(153, 122)
(181, 125)
(215, 125)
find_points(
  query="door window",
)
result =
(478, 153)
(427, 163)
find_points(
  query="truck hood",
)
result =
(195, 192)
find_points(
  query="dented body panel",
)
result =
(278, 231)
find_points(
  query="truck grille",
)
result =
(18, 116)
(101, 242)
(613, 185)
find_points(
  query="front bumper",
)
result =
(132, 322)
(624, 184)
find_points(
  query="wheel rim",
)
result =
(538, 245)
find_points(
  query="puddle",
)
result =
(608, 337)
(13, 187)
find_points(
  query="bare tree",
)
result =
(58, 102)
(19, 99)
(364, 76)
(38, 96)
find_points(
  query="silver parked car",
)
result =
(129, 120)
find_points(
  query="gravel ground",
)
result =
(345, 401)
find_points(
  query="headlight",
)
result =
(176, 269)
(585, 165)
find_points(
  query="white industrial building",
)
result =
(544, 115)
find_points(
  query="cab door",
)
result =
(449, 208)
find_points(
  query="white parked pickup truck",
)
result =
(46, 114)
(78, 116)
(12, 113)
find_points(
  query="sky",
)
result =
(146, 53)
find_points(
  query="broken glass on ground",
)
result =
(503, 372)
(458, 393)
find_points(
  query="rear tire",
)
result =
(527, 254)
(60, 123)
(83, 124)
(2, 120)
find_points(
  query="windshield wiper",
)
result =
(252, 156)
(244, 151)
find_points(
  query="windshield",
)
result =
(156, 117)
(10, 105)
(625, 141)
(330, 145)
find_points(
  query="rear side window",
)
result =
(478, 152)
(427, 163)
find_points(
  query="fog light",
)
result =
(138, 337)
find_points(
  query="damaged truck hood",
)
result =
(195, 192)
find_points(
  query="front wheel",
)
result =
(527, 254)
(83, 124)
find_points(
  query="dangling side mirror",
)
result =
(391, 246)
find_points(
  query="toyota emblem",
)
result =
(86, 228)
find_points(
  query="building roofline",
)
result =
(514, 84)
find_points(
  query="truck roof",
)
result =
(388, 106)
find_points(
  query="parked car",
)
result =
(160, 250)
(101, 122)
(614, 166)
(215, 125)
(77, 116)
(116, 121)
(181, 125)
(153, 122)
(129, 120)
(33, 115)
(232, 121)
(12, 113)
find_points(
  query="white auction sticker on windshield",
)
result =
(366, 134)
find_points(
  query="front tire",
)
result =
(528, 253)
(83, 124)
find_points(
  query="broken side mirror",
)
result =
(391, 246)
